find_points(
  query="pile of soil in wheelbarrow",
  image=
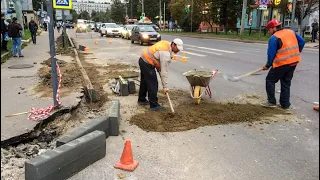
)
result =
(190, 116)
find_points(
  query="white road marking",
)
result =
(212, 49)
(209, 52)
(195, 54)
(219, 50)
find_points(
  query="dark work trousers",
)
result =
(148, 83)
(314, 36)
(284, 74)
(3, 43)
(34, 36)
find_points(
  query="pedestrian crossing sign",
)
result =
(62, 4)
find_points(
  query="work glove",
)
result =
(265, 68)
(165, 91)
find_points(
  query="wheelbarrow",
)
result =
(198, 80)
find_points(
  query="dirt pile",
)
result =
(190, 116)
(68, 50)
(71, 76)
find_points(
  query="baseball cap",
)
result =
(273, 23)
(179, 43)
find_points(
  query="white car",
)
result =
(110, 29)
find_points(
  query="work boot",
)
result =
(158, 108)
(268, 105)
(143, 103)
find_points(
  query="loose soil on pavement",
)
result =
(189, 116)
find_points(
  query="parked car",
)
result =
(110, 29)
(69, 25)
(144, 34)
(126, 33)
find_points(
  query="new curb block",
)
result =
(101, 124)
(67, 160)
(114, 118)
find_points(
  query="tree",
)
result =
(84, 15)
(74, 15)
(36, 4)
(93, 13)
(118, 11)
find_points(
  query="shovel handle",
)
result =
(172, 110)
(249, 73)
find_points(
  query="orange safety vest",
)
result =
(148, 54)
(289, 52)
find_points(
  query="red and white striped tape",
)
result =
(39, 113)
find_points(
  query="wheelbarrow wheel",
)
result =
(196, 94)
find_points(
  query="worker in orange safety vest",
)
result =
(156, 57)
(284, 51)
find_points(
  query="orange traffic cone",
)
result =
(86, 49)
(175, 57)
(96, 42)
(126, 162)
(183, 59)
(316, 108)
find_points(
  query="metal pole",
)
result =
(131, 10)
(243, 16)
(191, 13)
(160, 14)
(164, 15)
(64, 29)
(142, 4)
(52, 54)
(260, 23)
(293, 12)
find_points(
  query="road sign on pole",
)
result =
(62, 4)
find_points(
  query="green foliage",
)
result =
(84, 15)
(118, 11)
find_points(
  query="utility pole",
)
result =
(131, 10)
(243, 16)
(64, 29)
(164, 15)
(191, 13)
(54, 78)
(142, 8)
(160, 15)
(293, 12)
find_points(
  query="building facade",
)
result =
(89, 6)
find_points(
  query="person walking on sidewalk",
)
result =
(4, 33)
(315, 29)
(33, 27)
(284, 51)
(14, 31)
(157, 56)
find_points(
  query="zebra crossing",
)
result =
(200, 51)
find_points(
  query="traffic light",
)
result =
(187, 9)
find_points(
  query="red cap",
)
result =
(273, 23)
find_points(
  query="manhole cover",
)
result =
(21, 66)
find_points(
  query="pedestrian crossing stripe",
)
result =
(62, 4)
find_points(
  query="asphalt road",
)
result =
(286, 150)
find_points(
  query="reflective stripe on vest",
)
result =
(148, 54)
(289, 52)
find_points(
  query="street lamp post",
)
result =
(191, 13)
(142, 8)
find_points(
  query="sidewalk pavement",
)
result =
(312, 45)
(17, 85)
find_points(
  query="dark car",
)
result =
(69, 25)
(145, 34)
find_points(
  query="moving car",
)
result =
(144, 34)
(110, 29)
(126, 33)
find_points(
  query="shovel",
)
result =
(238, 78)
(172, 110)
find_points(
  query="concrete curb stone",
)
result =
(67, 160)
(114, 118)
(101, 124)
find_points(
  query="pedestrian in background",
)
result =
(33, 27)
(315, 29)
(4, 33)
(284, 51)
(15, 31)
